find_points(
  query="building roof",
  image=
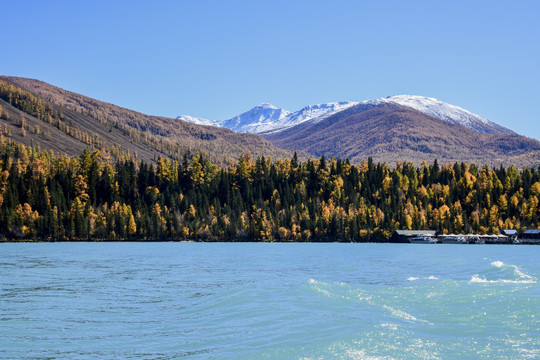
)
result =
(509, 232)
(415, 232)
(532, 231)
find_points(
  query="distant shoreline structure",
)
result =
(399, 237)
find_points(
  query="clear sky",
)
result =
(216, 59)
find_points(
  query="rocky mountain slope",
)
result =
(387, 131)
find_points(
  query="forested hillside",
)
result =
(50, 197)
(35, 113)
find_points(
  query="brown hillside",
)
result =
(147, 136)
(394, 133)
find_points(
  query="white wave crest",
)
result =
(320, 287)
(511, 271)
(313, 281)
(413, 278)
(327, 289)
(482, 279)
(400, 313)
(522, 275)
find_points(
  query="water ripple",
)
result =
(256, 301)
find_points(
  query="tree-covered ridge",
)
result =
(34, 106)
(50, 197)
(52, 116)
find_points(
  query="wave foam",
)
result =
(400, 313)
(326, 288)
(413, 278)
(482, 279)
(522, 275)
(508, 273)
(329, 290)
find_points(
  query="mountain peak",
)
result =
(256, 119)
(266, 118)
(265, 105)
(412, 97)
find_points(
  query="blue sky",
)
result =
(216, 59)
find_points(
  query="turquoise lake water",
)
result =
(268, 301)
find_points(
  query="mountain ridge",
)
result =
(445, 111)
(146, 136)
(56, 119)
(389, 132)
(256, 121)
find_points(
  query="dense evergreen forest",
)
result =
(44, 196)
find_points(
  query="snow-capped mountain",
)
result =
(266, 118)
(311, 113)
(257, 120)
(199, 121)
(444, 111)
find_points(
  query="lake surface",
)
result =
(268, 301)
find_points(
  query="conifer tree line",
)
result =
(44, 196)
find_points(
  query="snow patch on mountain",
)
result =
(198, 120)
(256, 120)
(266, 118)
(311, 113)
(444, 111)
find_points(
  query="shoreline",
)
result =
(30, 241)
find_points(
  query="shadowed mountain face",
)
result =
(84, 119)
(391, 132)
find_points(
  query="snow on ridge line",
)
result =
(310, 113)
(198, 121)
(257, 119)
(435, 106)
(266, 105)
(266, 118)
(444, 111)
